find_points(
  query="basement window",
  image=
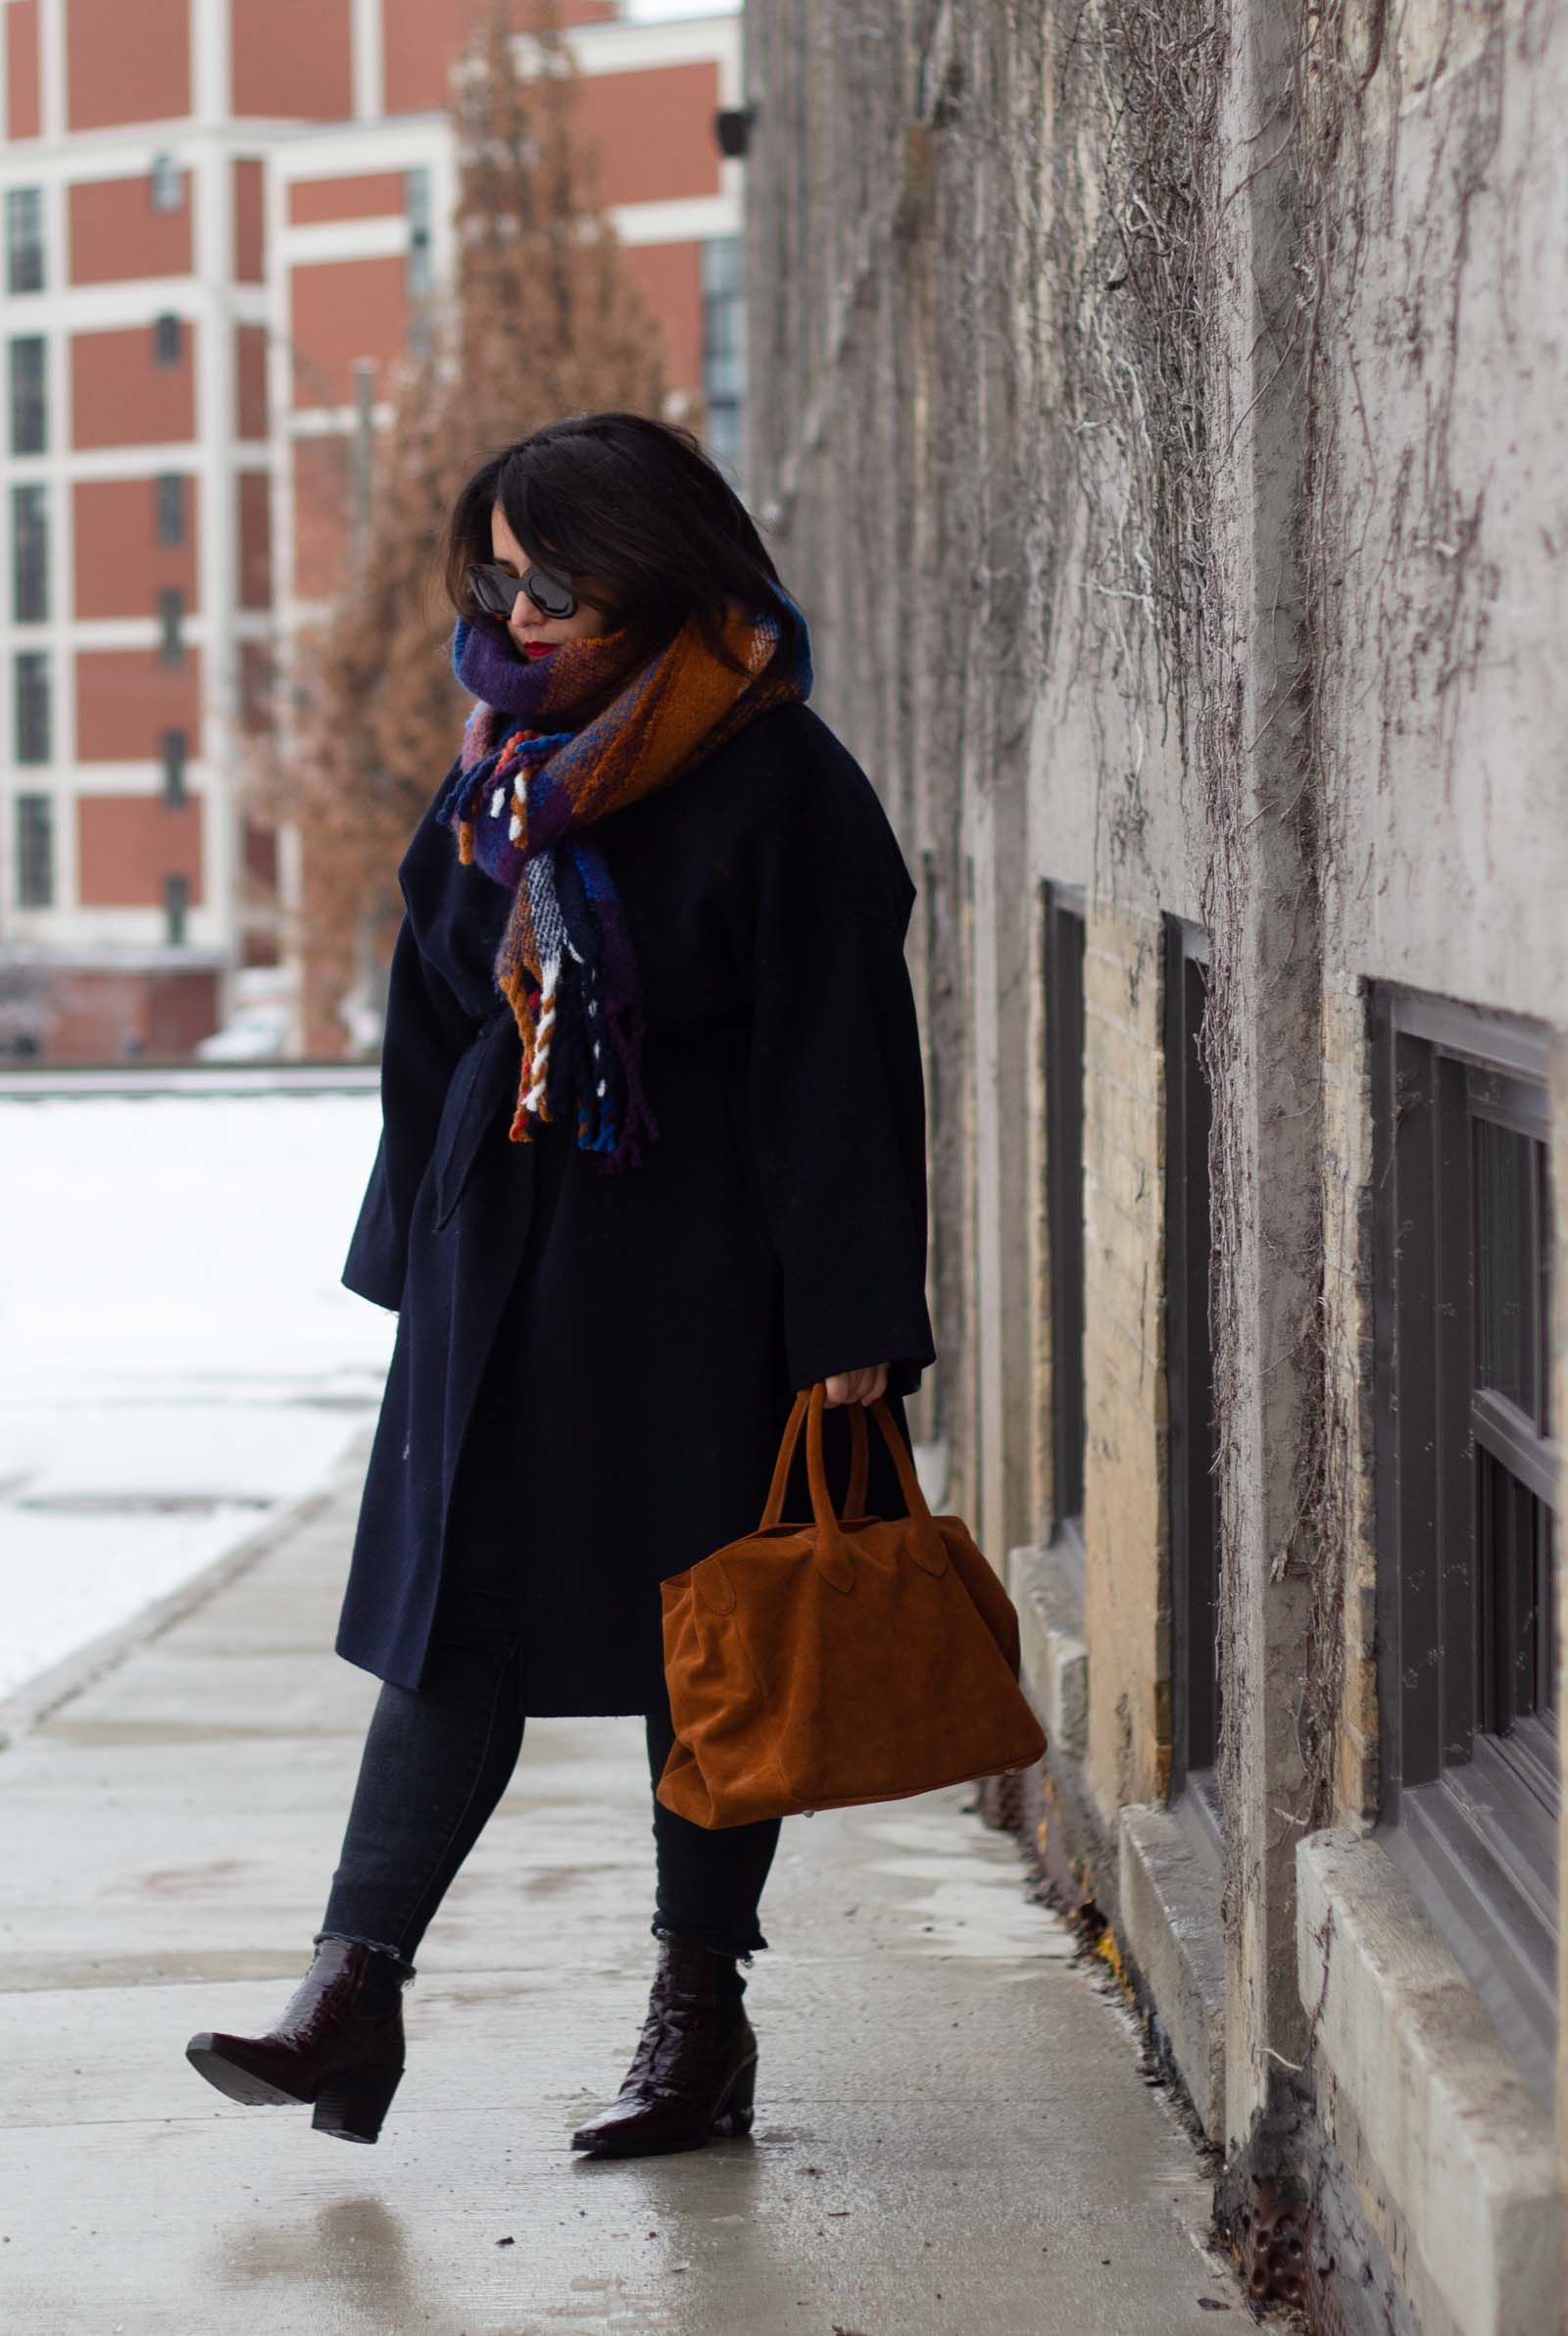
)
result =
(1189, 1382)
(1467, 1494)
(1064, 909)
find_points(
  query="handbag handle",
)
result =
(833, 1558)
(855, 1496)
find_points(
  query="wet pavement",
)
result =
(951, 2130)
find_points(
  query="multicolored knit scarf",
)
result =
(544, 756)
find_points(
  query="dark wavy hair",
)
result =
(635, 504)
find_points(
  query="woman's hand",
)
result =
(856, 1386)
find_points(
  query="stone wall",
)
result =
(1158, 410)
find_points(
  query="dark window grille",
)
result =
(33, 706)
(29, 404)
(723, 349)
(1190, 1368)
(1064, 1192)
(169, 340)
(171, 619)
(25, 239)
(171, 508)
(36, 851)
(29, 553)
(177, 904)
(173, 762)
(1467, 1493)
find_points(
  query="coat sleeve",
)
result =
(838, 1120)
(426, 1030)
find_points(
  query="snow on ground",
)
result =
(178, 1355)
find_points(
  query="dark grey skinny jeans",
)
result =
(438, 1758)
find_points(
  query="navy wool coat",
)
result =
(591, 1373)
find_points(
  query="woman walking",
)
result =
(653, 1158)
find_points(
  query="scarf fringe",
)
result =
(626, 1036)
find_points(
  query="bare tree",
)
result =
(543, 318)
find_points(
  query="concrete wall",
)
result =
(1446, 692)
(1159, 413)
(1126, 1603)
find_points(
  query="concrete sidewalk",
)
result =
(952, 2132)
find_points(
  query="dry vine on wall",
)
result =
(1145, 631)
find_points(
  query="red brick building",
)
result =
(218, 216)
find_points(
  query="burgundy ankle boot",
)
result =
(338, 2044)
(694, 2076)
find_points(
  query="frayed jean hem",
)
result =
(381, 1946)
(738, 1951)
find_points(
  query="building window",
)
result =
(417, 210)
(29, 553)
(36, 852)
(723, 349)
(173, 762)
(171, 619)
(1467, 1491)
(169, 340)
(29, 408)
(1189, 1377)
(1065, 1195)
(176, 902)
(171, 508)
(31, 672)
(24, 239)
(167, 184)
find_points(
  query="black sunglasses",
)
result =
(496, 589)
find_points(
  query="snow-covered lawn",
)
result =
(178, 1355)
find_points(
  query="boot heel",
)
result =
(352, 2107)
(739, 2109)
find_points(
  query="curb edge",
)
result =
(37, 1699)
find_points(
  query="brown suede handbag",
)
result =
(851, 1658)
